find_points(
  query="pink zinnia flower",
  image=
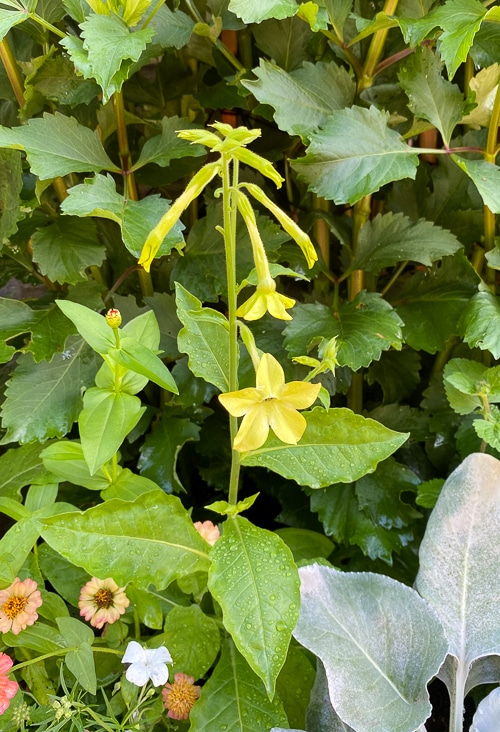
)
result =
(8, 688)
(208, 530)
(102, 601)
(18, 604)
(180, 696)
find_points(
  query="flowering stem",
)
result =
(62, 652)
(12, 71)
(229, 208)
(376, 48)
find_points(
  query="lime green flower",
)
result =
(271, 404)
(266, 299)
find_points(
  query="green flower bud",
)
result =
(113, 318)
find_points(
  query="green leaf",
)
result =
(65, 460)
(205, 338)
(91, 326)
(365, 327)
(142, 360)
(460, 21)
(354, 154)
(15, 546)
(148, 607)
(96, 196)
(468, 382)
(251, 12)
(63, 251)
(320, 713)
(445, 290)
(56, 80)
(43, 400)
(19, 467)
(193, 640)
(10, 18)
(49, 333)
(110, 48)
(16, 318)
(294, 685)
(11, 185)
(40, 638)
(173, 28)
(234, 698)
(286, 41)
(162, 149)
(254, 580)
(338, 446)
(392, 238)
(140, 217)
(481, 323)
(397, 372)
(376, 637)
(459, 557)
(65, 577)
(486, 177)
(105, 421)
(379, 495)
(488, 429)
(57, 145)
(81, 661)
(430, 96)
(305, 544)
(305, 98)
(160, 450)
(127, 540)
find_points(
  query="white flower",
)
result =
(146, 663)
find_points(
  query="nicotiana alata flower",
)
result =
(180, 696)
(8, 688)
(18, 605)
(146, 663)
(102, 601)
(208, 530)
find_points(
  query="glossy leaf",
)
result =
(193, 639)
(460, 20)
(127, 540)
(338, 446)
(15, 545)
(353, 155)
(91, 326)
(481, 322)
(142, 360)
(254, 580)
(376, 637)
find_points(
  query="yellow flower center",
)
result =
(104, 598)
(14, 606)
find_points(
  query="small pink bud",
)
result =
(113, 318)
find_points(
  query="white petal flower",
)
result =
(146, 663)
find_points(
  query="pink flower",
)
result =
(102, 601)
(18, 604)
(180, 696)
(208, 530)
(8, 688)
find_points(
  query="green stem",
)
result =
(376, 49)
(153, 13)
(61, 652)
(489, 155)
(12, 71)
(47, 25)
(394, 277)
(230, 214)
(349, 55)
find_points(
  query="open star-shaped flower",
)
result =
(271, 404)
(146, 663)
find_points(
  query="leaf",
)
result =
(162, 149)
(41, 638)
(63, 251)
(286, 41)
(305, 544)
(56, 80)
(466, 382)
(140, 217)
(193, 640)
(105, 421)
(49, 333)
(353, 155)
(338, 446)
(251, 12)
(376, 637)
(10, 18)
(321, 715)
(43, 400)
(11, 185)
(304, 98)
(16, 318)
(91, 326)
(65, 578)
(397, 372)
(446, 290)
(160, 450)
(173, 28)
(365, 327)
(430, 96)
(459, 557)
(486, 177)
(57, 145)
(111, 48)
(21, 466)
(392, 238)
(480, 323)
(254, 579)
(15, 545)
(96, 196)
(127, 540)
(484, 85)
(234, 698)
(460, 21)
(205, 338)
(487, 713)
(142, 360)
(81, 661)
(294, 685)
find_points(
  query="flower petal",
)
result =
(158, 674)
(253, 308)
(134, 653)
(287, 424)
(270, 376)
(299, 394)
(276, 305)
(137, 674)
(253, 430)
(240, 402)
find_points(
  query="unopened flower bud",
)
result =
(113, 318)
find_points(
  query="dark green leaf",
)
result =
(486, 176)
(66, 578)
(19, 467)
(161, 448)
(172, 28)
(140, 217)
(11, 184)
(460, 21)
(287, 41)
(306, 544)
(481, 323)
(163, 148)
(49, 333)
(193, 640)
(397, 372)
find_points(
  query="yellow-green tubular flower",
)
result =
(155, 237)
(289, 225)
(241, 135)
(201, 137)
(261, 164)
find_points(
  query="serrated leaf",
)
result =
(56, 80)
(96, 196)
(173, 28)
(19, 467)
(431, 97)
(481, 323)
(254, 579)
(466, 381)
(43, 400)
(205, 338)
(488, 429)
(365, 328)
(140, 217)
(57, 145)
(49, 333)
(193, 640)
(160, 450)
(127, 540)
(375, 636)
(251, 12)
(63, 251)
(354, 154)
(16, 318)
(10, 18)
(303, 99)
(11, 184)
(392, 238)
(446, 290)
(338, 446)
(486, 177)
(460, 21)
(162, 149)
